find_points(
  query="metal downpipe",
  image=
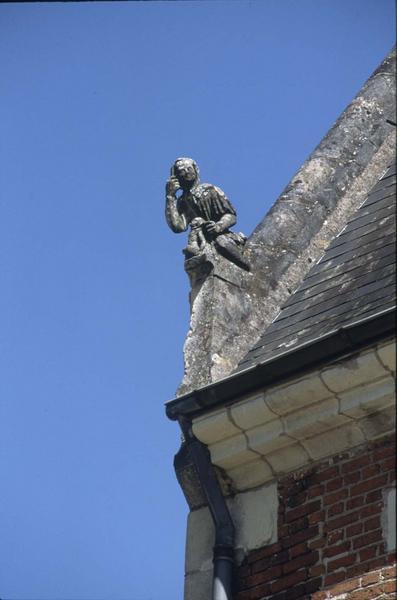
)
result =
(223, 553)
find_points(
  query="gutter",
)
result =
(346, 340)
(223, 551)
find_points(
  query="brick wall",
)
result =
(329, 531)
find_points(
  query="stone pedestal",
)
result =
(220, 306)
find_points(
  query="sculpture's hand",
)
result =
(172, 186)
(211, 228)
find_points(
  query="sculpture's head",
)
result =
(186, 171)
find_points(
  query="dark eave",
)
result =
(334, 345)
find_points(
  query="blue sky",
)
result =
(97, 100)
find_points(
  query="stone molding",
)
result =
(286, 427)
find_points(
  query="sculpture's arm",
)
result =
(175, 219)
(228, 220)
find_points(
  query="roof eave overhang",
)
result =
(341, 342)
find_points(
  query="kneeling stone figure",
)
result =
(208, 212)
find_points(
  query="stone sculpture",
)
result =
(208, 212)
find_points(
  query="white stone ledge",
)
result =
(333, 441)
(328, 411)
(314, 420)
(288, 459)
(267, 437)
(214, 427)
(353, 372)
(387, 356)
(231, 452)
(374, 396)
(251, 474)
(303, 392)
(252, 410)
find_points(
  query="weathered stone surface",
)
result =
(220, 309)
(230, 308)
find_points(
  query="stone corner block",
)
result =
(353, 372)
(199, 541)
(387, 355)
(251, 411)
(303, 392)
(250, 475)
(288, 459)
(214, 427)
(231, 452)
(255, 514)
(334, 441)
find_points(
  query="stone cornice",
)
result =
(286, 427)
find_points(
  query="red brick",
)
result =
(264, 576)
(370, 578)
(338, 549)
(300, 537)
(315, 490)
(334, 578)
(316, 570)
(391, 558)
(276, 559)
(260, 565)
(305, 560)
(368, 553)
(373, 523)
(370, 471)
(244, 571)
(336, 496)
(366, 594)
(345, 586)
(335, 536)
(335, 509)
(303, 510)
(371, 509)
(388, 587)
(325, 475)
(298, 525)
(367, 539)
(373, 496)
(354, 502)
(244, 595)
(369, 484)
(299, 549)
(318, 543)
(293, 593)
(357, 569)
(283, 531)
(289, 581)
(296, 499)
(343, 561)
(320, 596)
(382, 548)
(355, 464)
(334, 484)
(389, 572)
(355, 529)
(384, 452)
(389, 464)
(342, 521)
(257, 593)
(352, 478)
(263, 552)
(316, 517)
(313, 585)
(375, 563)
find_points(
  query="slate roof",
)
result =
(355, 279)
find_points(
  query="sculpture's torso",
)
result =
(205, 201)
